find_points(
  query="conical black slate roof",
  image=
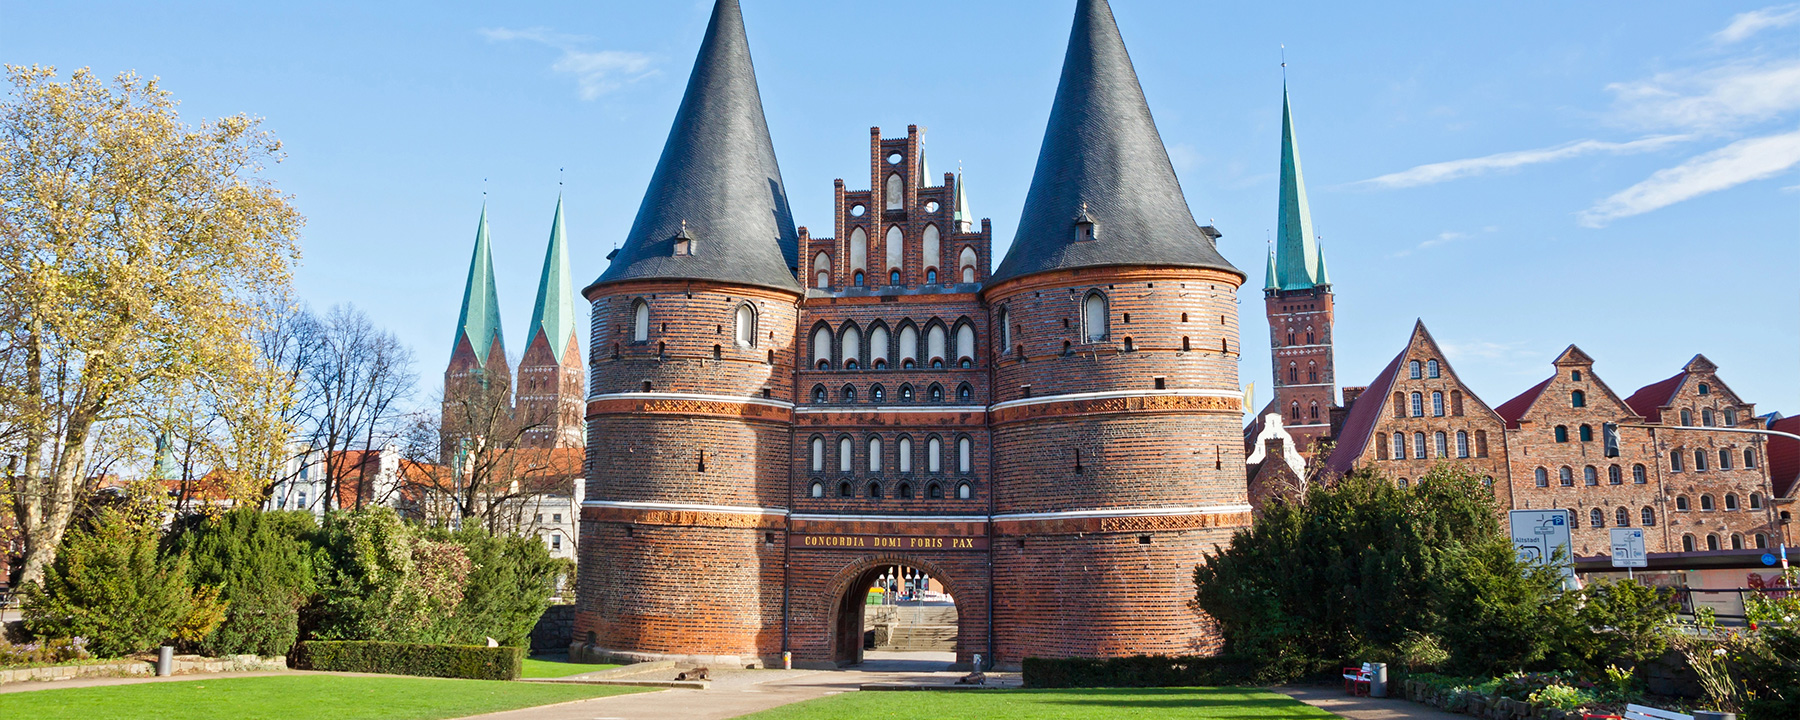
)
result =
(717, 179)
(1103, 157)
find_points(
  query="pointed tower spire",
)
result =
(1298, 264)
(554, 313)
(1269, 282)
(718, 174)
(1101, 148)
(1324, 277)
(964, 218)
(479, 323)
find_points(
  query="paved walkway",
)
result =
(733, 693)
(1331, 698)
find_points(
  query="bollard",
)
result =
(977, 662)
(1378, 680)
(787, 660)
(165, 661)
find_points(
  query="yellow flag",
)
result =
(1250, 398)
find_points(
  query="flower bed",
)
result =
(1522, 696)
(141, 667)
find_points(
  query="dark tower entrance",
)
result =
(902, 612)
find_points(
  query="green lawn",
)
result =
(555, 666)
(1145, 703)
(299, 697)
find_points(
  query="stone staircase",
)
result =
(912, 628)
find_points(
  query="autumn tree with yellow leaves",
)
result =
(135, 253)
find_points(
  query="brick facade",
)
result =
(1300, 328)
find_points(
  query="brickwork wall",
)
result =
(1301, 323)
(821, 578)
(681, 589)
(550, 392)
(691, 347)
(1463, 411)
(1725, 473)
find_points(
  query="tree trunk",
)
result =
(54, 499)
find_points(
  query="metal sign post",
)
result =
(1628, 549)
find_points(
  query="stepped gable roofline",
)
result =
(1784, 457)
(479, 320)
(1101, 149)
(1359, 425)
(554, 313)
(717, 178)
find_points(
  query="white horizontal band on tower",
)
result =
(688, 507)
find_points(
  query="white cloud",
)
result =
(1485, 350)
(596, 72)
(1445, 238)
(1744, 25)
(1729, 166)
(1713, 99)
(1453, 169)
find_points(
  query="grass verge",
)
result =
(555, 666)
(296, 697)
(1086, 704)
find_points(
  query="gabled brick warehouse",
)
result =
(775, 419)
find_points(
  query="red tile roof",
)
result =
(1360, 423)
(1784, 456)
(1649, 400)
(1513, 409)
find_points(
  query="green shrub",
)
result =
(110, 585)
(506, 590)
(473, 662)
(1138, 671)
(261, 563)
(1499, 614)
(1628, 623)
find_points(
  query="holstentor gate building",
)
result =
(775, 418)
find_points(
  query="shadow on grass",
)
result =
(1253, 703)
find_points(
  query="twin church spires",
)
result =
(550, 374)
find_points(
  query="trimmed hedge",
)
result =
(1138, 671)
(473, 662)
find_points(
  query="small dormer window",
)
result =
(684, 243)
(1084, 225)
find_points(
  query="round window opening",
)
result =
(931, 206)
(857, 211)
(894, 159)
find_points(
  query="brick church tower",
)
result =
(551, 378)
(1297, 295)
(692, 392)
(479, 350)
(1118, 462)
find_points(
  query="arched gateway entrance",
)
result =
(900, 612)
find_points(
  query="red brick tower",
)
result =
(690, 407)
(1118, 459)
(1297, 295)
(551, 378)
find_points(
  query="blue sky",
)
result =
(1522, 176)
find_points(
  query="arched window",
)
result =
(1587, 433)
(1699, 461)
(859, 252)
(1687, 417)
(1712, 541)
(906, 393)
(1755, 501)
(822, 347)
(849, 393)
(1309, 335)
(1596, 518)
(818, 489)
(1639, 475)
(1312, 411)
(905, 454)
(1543, 477)
(1578, 399)
(1456, 405)
(818, 454)
(1737, 541)
(895, 246)
(1622, 517)
(1750, 457)
(1418, 405)
(934, 491)
(1404, 483)
(1312, 371)
(1730, 417)
(1731, 502)
(909, 346)
(1481, 443)
(874, 454)
(1687, 543)
(1437, 403)
(844, 489)
(1706, 417)
(879, 347)
(937, 393)
(965, 455)
(1681, 503)
(905, 490)
(965, 344)
(964, 491)
(1724, 458)
(819, 394)
(875, 490)
(1293, 372)
(845, 457)
(1762, 541)
(1566, 476)
(1648, 516)
(966, 263)
(934, 455)
(640, 321)
(964, 393)
(1412, 369)
(746, 326)
(1590, 475)
(929, 252)
(1561, 433)
(822, 270)
(1005, 329)
(1431, 368)
(1419, 446)
(935, 345)
(877, 393)
(1462, 443)
(1706, 502)
(1615, 475)
(895, 194)
(1442, 441)
(1399, 446)
(1093, 318)
(1399, 405)
(1705, 389)
(852, 347)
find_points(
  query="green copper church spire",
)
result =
(480, 319)
(964, 217)
(1269, 282)
(554, 313)
(1298, 266)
